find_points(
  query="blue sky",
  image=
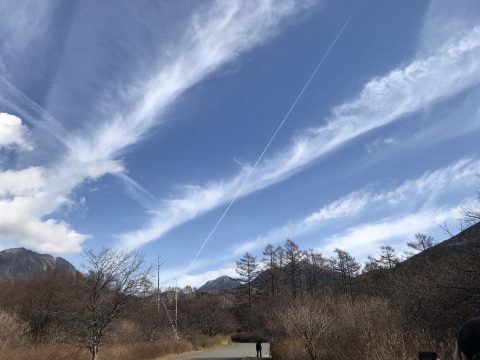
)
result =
(136, 124)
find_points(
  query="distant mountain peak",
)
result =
(220, 284)
(18, 262)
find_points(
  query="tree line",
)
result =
(320, 305)
(287, 271)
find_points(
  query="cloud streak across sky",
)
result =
(452, 68)
(421, 193)
(215, 36)
(415, 205)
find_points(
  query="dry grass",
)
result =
(140, 350)
(13, 331)
(45, 352)
(146, 350)
(203, 342)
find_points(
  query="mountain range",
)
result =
(220, 284)
(19, 262)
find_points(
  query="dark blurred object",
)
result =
(427, 355)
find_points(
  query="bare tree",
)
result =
(346, 266)
(270, 262)
(421, 243)
(113, 280)
(388, 257)
(308, 321)
(293, 256)
(315, 267)
(247, 268)
(281, 281)
(472, 216)
(371, 265)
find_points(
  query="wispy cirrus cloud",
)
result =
(20, 25)
(365, 239)
(217, 34)
(360, 241)
(415, 205)
(420, 193)
(453, 67)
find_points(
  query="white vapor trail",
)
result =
(12, 96)
(137, 191)
(267, 146)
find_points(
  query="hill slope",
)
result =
(20, 262)
(219, 284)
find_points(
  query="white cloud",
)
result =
(34, 194)
(13, 133)
(22, 222)
(21, 182)
(347, 206)
(50, 236)
(452, 68)
(28, 196)
(366, 238)
(422, 191)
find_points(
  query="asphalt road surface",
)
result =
(236, 351)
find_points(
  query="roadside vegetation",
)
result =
(109, 311)
(390, 307)
(309, 306)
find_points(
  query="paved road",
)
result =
(235, 352)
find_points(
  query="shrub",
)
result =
(146, 350)
(203, 341)
(13, 331)
(244, 337)
(339, 328)
(286, 348)
(123, 332)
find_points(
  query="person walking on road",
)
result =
(258, 346)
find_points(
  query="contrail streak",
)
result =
(137, 191)
(272, 138)
(11, 95)
(43, 119)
